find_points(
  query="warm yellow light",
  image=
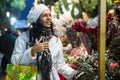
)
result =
(36, 3)
(115, 1)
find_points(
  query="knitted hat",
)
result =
(35, 12)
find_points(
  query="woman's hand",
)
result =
(38, 47)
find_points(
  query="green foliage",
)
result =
(87, 67)
(13, 6)
(110, 4)
(3, 7)
(115, 46)
(18, 4)
(90, 6)
(57, 9)
(65, 3)
(78, 7)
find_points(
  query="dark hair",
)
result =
(37, 30)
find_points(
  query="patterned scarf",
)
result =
(44, 61)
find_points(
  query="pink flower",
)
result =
(114, 65)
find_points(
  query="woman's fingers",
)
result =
(38, 47)
(43, 46)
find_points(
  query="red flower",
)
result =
(80, 26)
(114, 65)
(109, 16)
(79, 51)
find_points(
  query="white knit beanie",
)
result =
(35, 12)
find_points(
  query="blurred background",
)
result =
(76, 24)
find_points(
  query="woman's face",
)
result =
(46, 19)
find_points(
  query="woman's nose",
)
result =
(49, 17)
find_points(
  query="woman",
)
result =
(39, 46)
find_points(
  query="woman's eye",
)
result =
(46, 15)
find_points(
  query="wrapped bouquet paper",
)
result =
(21, 72)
